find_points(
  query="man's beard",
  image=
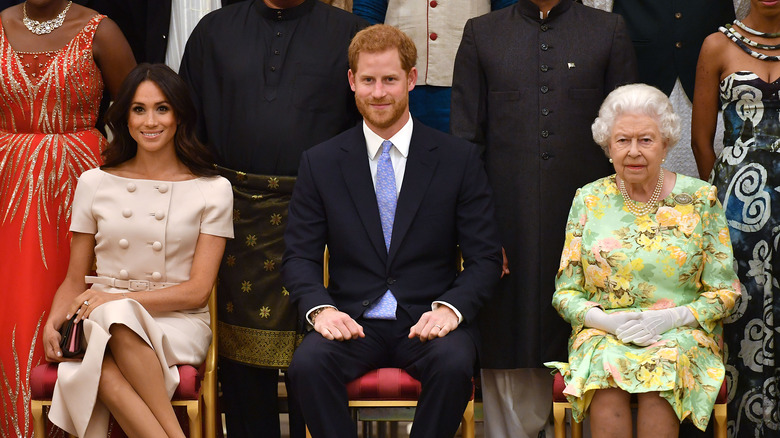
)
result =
(387, 118)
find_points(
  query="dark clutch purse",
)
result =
(72, 342)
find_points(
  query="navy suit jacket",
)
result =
(445, 203)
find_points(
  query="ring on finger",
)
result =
(86, 303)
(438, 326)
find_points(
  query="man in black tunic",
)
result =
(268, 79)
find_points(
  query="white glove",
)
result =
(653, 323)
(598, 319)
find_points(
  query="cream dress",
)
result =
(144, 230)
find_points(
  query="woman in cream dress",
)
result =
(155, 218)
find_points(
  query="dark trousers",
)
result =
(251, 406)
(320, 370)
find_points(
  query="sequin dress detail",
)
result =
(747, 174)
(49, 108)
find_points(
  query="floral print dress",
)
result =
(678, 256)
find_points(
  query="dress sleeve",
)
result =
(570, 299)
(217, 218)
(82, 220)
(719, 283)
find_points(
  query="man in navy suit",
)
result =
(394, 201)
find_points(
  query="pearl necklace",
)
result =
(651, 203)
(44, 27)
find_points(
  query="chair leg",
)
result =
(308, 434)
(39, 422)
(559, 417)
(195, 417)
(467, 424)
(720, 426)
(576, 428)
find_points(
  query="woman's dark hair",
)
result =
(123, 147)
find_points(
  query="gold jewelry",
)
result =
(44, 27)
(314, 313)
(651, 203)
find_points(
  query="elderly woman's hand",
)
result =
(653, 323)
(598, 319)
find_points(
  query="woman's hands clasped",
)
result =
(640, 328)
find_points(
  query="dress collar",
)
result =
(284, 14)
(529, 9)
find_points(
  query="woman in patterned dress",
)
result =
(739, 73)
(55, 58)
(645, 279)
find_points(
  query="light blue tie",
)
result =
(387, 198)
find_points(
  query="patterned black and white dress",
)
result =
(747, 174)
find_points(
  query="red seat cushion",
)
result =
(559, 386)
(43, 377)
(385, 384)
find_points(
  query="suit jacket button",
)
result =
(390, 280)
(366, 303)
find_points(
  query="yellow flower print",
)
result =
(667, 216)
(668, 354)
(571, 252)
(677, 254)
(712, 195)
(621, 299)
(689, 222)
(689, 381)
(650, 374)
(723, 237)
(715, 373)
(596, 275)
(645, 225)
(591, 202)
(705, 341)
(622, 278)
(584, 335)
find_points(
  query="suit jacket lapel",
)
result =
(420, 166)
(357, 175)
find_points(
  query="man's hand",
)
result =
(505, 265)
(434, 324)
(335, 325)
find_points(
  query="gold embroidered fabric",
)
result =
(48, 108)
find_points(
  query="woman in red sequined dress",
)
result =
(55, 58)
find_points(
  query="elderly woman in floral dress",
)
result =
(645, 279)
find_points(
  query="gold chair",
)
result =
(561, 404)
(197, 391)
(390, 388)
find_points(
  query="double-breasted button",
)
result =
(545, 156)
(156, 276)
(159, 215)
(545, 28)
(123, 243)
(434, 3)
(163, 188)
(544, 67)
(434, 36)
(678, 44)
(390, 280)
(156, 246)
(127, 212)
(544, 46)
(545, 111)
(273, 68)
(366, 303)
(123, 274)
(276, 52)
(545, 134)
(544, 89)
(131, 187)
(678, 15)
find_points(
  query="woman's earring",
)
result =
(610, 160)
(663, 160)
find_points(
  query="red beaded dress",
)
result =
(48, 109)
